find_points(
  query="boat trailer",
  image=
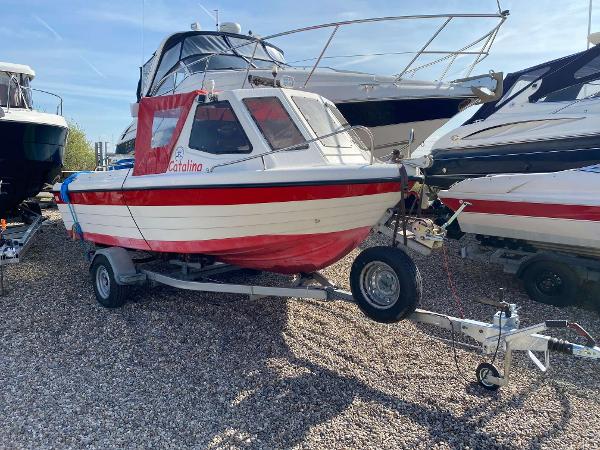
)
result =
(374, 283)
(14, 242)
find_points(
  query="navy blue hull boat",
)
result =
(32, 143)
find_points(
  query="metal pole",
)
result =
(589, 25)
(321, 55)
(250, 63)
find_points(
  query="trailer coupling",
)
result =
(504, 335)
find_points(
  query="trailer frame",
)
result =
(502, 334)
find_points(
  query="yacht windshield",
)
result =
(195, 53)
(579, 91)
(14, 90)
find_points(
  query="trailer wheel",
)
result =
(482, 371)
(551, 282)
(386, 284)
(108, 292)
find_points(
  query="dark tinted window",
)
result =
(216, 130)
(274, 122)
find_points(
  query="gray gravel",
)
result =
(181, 369)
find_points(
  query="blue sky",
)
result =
(89, 52)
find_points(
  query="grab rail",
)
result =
(303, 146)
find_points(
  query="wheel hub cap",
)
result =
(380, 284)
(103, 282)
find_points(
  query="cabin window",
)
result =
(14, 90)
(322, 122)
(217, 130)
(164, 123)
(274, 122)
(576, 92)
(168, 61)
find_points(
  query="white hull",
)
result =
(560, 210)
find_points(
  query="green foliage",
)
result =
(79, 154)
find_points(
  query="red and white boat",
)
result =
(268, 179)
(558, 211)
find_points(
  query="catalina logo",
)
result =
(179, 154)
(179, 166)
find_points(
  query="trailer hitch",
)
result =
(504, 334)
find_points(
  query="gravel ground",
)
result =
(183, 369)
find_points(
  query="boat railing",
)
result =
(27, 100)
(25, 95)
(59, 106)
(304, 146)
(470, 49)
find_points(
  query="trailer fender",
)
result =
(122, 265)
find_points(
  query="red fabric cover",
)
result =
(150, 160)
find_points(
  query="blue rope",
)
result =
(64, 195)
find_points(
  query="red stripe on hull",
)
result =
(273, 253)
(547, 210)
(229, 195)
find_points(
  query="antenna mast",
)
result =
(589, 25)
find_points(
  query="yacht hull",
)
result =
(31, 155)
(289, 228)
(452, 165)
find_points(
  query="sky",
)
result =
(89, 53)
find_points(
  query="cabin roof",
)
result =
(16, 68)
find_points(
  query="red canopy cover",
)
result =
(160, 120)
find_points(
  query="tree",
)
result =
(79, 153)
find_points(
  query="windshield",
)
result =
(579, 91)
(14, 90)
(322, 122)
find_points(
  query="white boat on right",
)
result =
(557, 211)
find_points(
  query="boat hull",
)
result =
(31, 155)
(556, 210)
(283, 228)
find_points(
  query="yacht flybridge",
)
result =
(391, 106)
(31, 142)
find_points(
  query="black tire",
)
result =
(552, 283)
(482, 371)
(108, 292)
(393, 275)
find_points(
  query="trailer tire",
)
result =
(551, 282)
(386, 284)
(108, 292)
